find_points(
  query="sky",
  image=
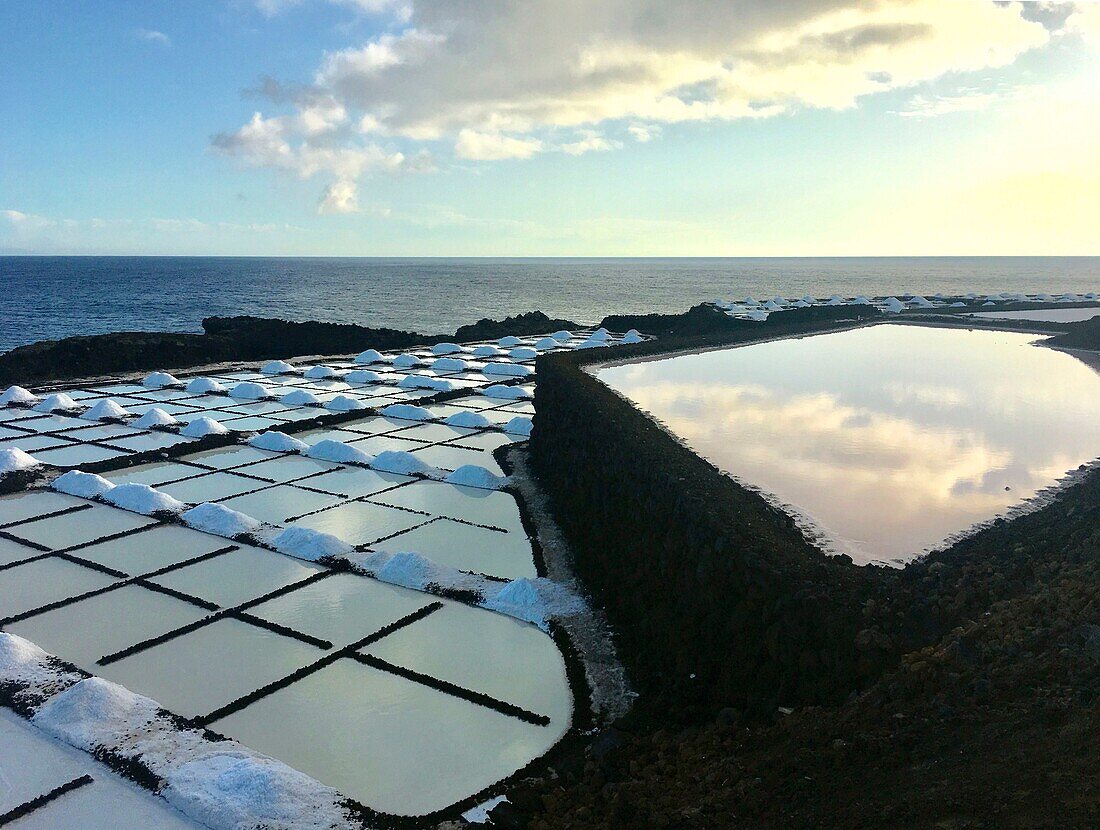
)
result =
(564, 128)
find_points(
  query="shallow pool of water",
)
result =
(888, 438)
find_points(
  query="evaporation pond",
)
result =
(888, 438)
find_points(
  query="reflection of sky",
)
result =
(889, 438)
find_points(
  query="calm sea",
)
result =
(51, 297)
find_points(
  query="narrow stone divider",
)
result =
(40, 801)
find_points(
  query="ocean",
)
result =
(53, 297)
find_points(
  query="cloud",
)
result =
(590, 141)
(339, 197)
(401, 8)
(643, 132)
(494, 146)
(25, 221)
(501, 81)
(153, 36)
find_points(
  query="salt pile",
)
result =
(407, 361)
(362, 376)
(82, 485)
(344, 403)
(206, 386)
(632, 336)
(509, 342)
(425, 382)
(203, 426)
(19, 396)
(58, 402)
(403, 463)
(159, 380)
(250, 391)
(471, 475)
(105, 411)
(329, 450)
(472, 420)
(407, 412)
(523, 353)
(508, 369)
(300, 397)
(276, 441)
(514, 393)
(368, 357)
(487, 351)
(546, 343)
(562, 335)
(277, 367)
(143, 499)
(321, 372)
(155, 417)
(449, 364)
(311, 545)
(446, 348)
(220, 521)
(519, 425)
(13, 460)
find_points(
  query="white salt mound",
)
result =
(520, 425)
(105, 411)
(318, 372)
(311, 545)
(277, 367)
(368, 357)
(425, 382)
(250, 391)
(57, 402)
(562, 335)
(82, 485)
(472, 420)
(593, 344)
(407, 412)
(17, 395)
(509, 342)
(12, 460)
(344, 403)
(534, 600)
(546, 343)
(487, 351)
(513, 393)
(155, 417)
(143, 499)
(219, 520)
(329, 450)
(203, 426)
(508, 369)
(446, 348)
(158, 380)
(300, 397)
(471, 475)
(449, 364)
(275, 441)
(403, 463)
(523, 353)
(205, 386)
(632, 336)
(362, 376)
(600, 334)
(219, 784)
(406, 361)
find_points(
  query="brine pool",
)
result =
(888, 439)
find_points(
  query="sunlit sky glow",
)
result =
(619, 128)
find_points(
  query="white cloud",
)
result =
(401, 8)
(643, 132)
(24, 221)
(494, 146)
(500, 81)
(153, 36)
(590, 141)
(339, 197)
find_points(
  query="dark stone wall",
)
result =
(717, 598)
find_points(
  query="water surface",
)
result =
(888, 438)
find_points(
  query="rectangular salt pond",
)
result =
(888, 438)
